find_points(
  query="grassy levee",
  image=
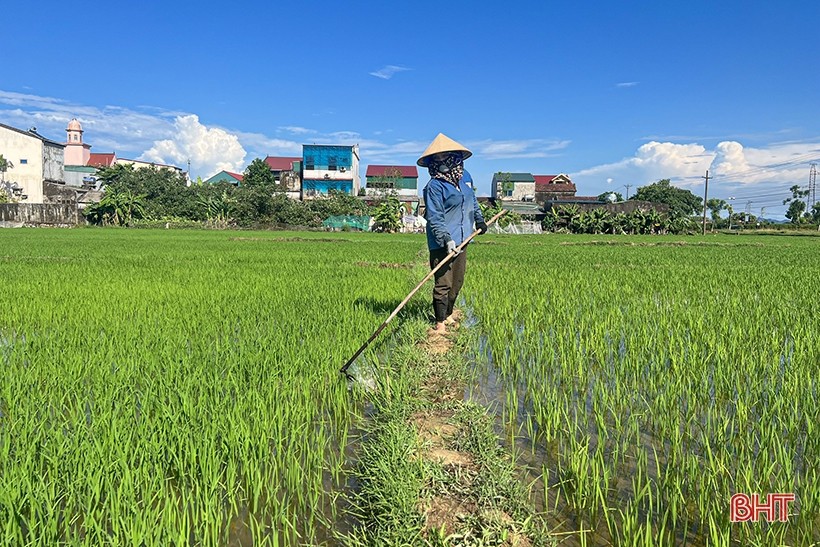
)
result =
(182, 387)
(431, 470)
(648, 379)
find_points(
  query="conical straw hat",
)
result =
(442, 143)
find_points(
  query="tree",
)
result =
(607, 197)
(681, 202)
(503, 184)
(815, 213)
(118, 206)
(796, 205)
(795, 211)
(386, 182)
(5, 165)
(258, 173)
(387, 217)
(715, 206)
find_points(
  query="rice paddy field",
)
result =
(162, 387)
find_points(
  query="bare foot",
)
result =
(440, 329)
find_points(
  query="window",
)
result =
(508, 193)
(309, 165)
(23, 162)
(331, 163)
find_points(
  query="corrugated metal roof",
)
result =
(555, 188)
(281, 163)
(409, 171)
(100, 160)
(513, 177)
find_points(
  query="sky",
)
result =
(615, 94)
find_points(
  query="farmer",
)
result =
(451, 211)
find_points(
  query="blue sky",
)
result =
(614, 94)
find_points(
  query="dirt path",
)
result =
(456, 503)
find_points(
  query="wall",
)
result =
(15, 147)
(345, 159)
(14, 215)
(520, 190)
(53, 156)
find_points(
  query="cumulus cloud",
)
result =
(761, 175)
(210, 150)
(729, 159)
(387, 72)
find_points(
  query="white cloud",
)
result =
(759, 175)
(210, 150)
(626, 84)
(108, 128)
(295, 129)
(387, 72)
(524, 148)
(729, 159)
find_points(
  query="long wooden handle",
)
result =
(414, 291)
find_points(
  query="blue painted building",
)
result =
(329, 167)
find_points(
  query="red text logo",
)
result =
(745, 508)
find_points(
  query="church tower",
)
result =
(76, 153)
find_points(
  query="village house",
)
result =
(36, 162)
(225, 176)
(287, 171)
(329, 167)
(401, 181)
(513, 187)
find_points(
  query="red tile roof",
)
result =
(543, 179)
(546, 183)
(237, 176)
(408, 171)
(281, 163)
(562, 188)
(101, 160)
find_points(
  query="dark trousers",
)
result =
(449, 280)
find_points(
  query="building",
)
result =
(329, 167)
(102, 160)
(553, 187)
(287, 171)
(140, 164)
(401, 181)
(80, 169)
(225, 176)
(36, 161)
(76, 151)
(513, 187)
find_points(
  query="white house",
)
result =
(35, 159)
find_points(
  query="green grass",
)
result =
(169, 387)
(165, 387)
(653, 377)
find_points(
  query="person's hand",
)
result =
(451, 247)
(481, 226)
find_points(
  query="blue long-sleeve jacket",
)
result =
(450, 212)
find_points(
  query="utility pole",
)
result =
(748, 214)
(628, 186)
(705, 195)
